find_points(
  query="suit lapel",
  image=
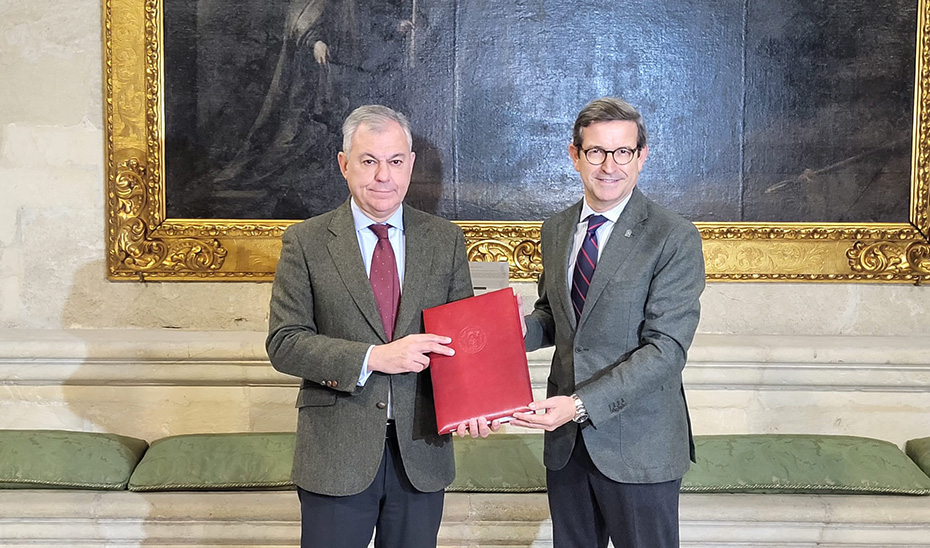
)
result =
(622, 240)
(347, 257)
(417, 267)
(562, 248)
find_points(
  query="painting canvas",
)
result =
(796, 135)
(783, 110)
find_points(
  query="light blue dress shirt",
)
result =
(366, 243)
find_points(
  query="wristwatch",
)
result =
(581, 414)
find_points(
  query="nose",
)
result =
(610, 164)
(382, 173)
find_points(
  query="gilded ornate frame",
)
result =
(143, 244)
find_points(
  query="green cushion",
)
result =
(919, 451)
(788, 463)
(503, 463)
(216, 462)
(59, 459)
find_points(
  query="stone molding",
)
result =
(271, 518)
(230, 358)
(156, 383)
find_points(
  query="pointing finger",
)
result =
(440, 349)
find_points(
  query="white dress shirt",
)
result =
(603, 232)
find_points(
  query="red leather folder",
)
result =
(488, 376)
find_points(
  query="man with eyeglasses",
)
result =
(619, 299)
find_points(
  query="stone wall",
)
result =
(157, 359)
(52, 216)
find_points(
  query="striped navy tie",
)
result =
(585, 264)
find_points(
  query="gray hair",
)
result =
(376, 118)
(609, 109)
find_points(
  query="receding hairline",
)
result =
(376, 118)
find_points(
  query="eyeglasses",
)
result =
(622, 156)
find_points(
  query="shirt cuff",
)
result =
(365, 373)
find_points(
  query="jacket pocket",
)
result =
(311, 397)
(652, 430)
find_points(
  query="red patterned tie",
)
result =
(383, 277)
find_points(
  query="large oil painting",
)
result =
(793, 133)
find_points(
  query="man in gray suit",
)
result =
(619, 299)
(346, 318)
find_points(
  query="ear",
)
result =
(343, 162)
(413, 159)
(575, 154)
(642, 156)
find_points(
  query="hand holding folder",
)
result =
(488, 376)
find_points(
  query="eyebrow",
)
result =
(372, 156)
(602, 147)
(605, 148)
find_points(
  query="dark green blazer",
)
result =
(323, 319)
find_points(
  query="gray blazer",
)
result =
(625, 356)
(324, 318)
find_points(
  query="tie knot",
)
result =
(595, 221)
(380, 230)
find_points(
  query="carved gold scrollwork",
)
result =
(528, 259)
(890, 258)
(489, 251)
(129, 189)
(135, 246)
(518, 245)
(875, 258)
(524, 257)
(195, 255)
(918, 255)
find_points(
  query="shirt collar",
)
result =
(612, 214)
(362, 221)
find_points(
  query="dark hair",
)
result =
(609, 109)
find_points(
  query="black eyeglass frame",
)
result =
(606, 152)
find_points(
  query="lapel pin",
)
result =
(628, 233)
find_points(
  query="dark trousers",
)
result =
(400, 516)
(587, 508)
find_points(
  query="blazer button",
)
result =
(577, 350)
(335, 384)
(323, 383)
(381, 405)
